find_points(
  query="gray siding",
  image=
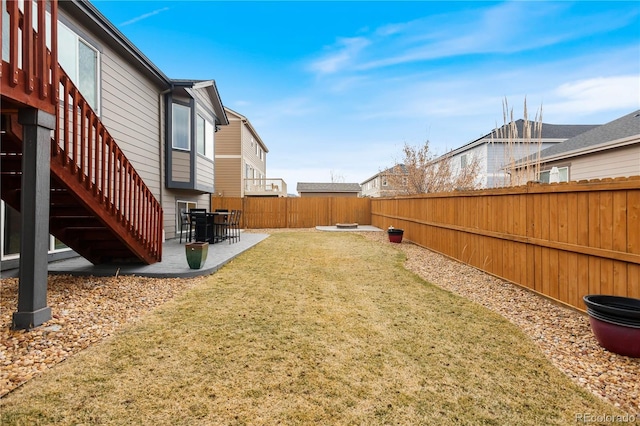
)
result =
(181, 166)
(171, 197)
(621, 162)
(130, 111)
(204, 175)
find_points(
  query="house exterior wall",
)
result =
(228, 159)
(612, 163)
(250, 156)
(228, 173)
(133, 109)
(494, 155)
(171, 198)
(204, 173)
(371, 187)
(238, 148)
(181, 170)
(126, 96)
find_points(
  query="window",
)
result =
(200, 135)
(11, 228)
(205, 132)
(80, 60)
(11, 231)
(563, 175)
(384, 181)
(209, 135)
(181, 127)
(463, 161)
(182, 206)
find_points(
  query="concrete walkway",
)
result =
(174, 261)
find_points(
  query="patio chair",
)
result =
(186, 223)
(201, 224)
(235, 224)
(222, 224)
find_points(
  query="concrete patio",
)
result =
(174, 261)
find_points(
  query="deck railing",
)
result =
(29, 69)
(265, 187)
(84, 155)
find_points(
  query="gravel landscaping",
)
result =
(86, 310)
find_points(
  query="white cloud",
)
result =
(145, 16)
(595, 95)
(345, 52)
(508, 27)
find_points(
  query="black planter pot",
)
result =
(615, 321)
(617, 306)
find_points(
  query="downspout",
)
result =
(161, 147)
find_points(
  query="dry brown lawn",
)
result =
(315, 328)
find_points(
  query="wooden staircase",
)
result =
(99, 205)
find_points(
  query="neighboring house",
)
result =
(241, 161)
(166, 128)
(494, 151)
(313, 189)
(608, 151)
(384, 183)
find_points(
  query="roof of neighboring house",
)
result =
(390, 170)
(246, 121)
(327, 187)
(549, 131)
(616, 130)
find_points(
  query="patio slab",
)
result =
(173, 265)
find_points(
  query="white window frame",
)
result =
(3, 231)
(546, 174)
(74, 73)
(205, 146)
(188, 205)
(173, 127)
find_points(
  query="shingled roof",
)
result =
(327, 187)
(621, 128)
(549, 131)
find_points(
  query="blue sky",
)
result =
(337, 88)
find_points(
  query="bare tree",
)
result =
(421, 172)
(335, 177)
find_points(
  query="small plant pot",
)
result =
(196, 254)
(395, 235)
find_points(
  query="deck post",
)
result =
(34, 204)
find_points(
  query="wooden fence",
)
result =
(289, 212)
(563, 241)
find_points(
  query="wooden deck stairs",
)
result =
(99, 205)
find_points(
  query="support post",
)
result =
(34, 204)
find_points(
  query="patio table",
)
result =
(209, 229)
